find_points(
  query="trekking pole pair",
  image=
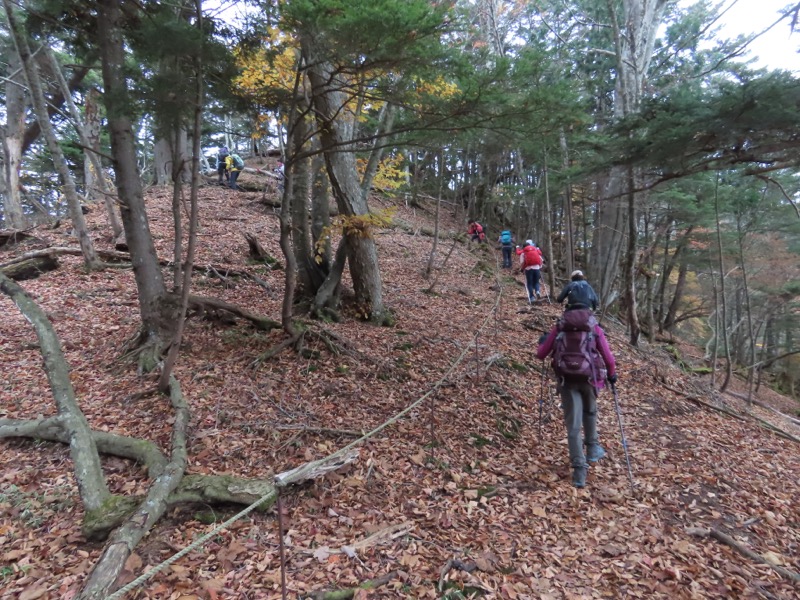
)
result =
(622, 434)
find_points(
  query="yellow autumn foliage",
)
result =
(390, 174)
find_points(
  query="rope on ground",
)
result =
(308, 467)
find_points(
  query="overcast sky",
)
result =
(776, 49)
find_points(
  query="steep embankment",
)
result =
(460, 494)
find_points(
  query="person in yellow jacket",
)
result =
(233, 166)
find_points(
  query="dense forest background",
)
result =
(625, 138)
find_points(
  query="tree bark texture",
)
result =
(89, 135)
(340, 161)
(31, 71)
(634, 37)
(158, 314)
(12, 144)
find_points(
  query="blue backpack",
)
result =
(505, 237)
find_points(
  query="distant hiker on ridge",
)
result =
(583, 362)
(530, 261)
(476, 231)
(221, 156)
(233, 166)
(578, 293)
(506, 241)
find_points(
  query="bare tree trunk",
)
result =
(320, 209)
(309, 276)
(568, 228)
(432, 257)
(341, 165)
(548, 229)
(40, 109)
(158, 312)
(185, 287)
(751, 335)
(12, 143)
(723, 326)
(634, 37)
(93, 168)
(630, 264)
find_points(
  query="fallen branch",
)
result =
(743, 550)
(794, 420)
(696, 400)
(730, 412)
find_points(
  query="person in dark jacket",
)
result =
(578, 293)
(221, 172)
(579, 400)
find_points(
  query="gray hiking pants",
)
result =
(579, 401)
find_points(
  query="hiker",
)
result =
(476, 231)
(530, 261)
(578, 293)
(233, 166)
(506, 241)
(583, 362)
(221, 156)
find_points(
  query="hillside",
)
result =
(465, 496)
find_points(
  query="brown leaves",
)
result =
(464, 475)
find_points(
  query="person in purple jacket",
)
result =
(579, 394)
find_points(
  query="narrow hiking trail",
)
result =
(461, 496)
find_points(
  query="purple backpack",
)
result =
(575, 354)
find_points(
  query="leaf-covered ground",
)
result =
(465, 480)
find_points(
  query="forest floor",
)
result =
(467, 496)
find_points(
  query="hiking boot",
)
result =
(579, 477)
(595, 454)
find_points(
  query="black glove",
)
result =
(542, 339)
(612, 379)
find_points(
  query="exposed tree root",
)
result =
(51, 429)
(221, 310)
(743, 550)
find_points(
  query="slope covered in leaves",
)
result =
(468, 495)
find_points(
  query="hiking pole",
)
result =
(541, 401)
(622, 435)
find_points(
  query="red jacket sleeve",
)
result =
(546, 347)
(605, 351)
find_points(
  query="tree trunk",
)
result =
(630, 263)
(12, 144)
(157, 310)
(723, 321)
(31, 70)
(634, 38)
(89, 135)
(568, 228)
(432, 257)
(340, 162)
(307, 269)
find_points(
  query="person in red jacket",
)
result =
(475, 230)
(530, 261)
(579, 396)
